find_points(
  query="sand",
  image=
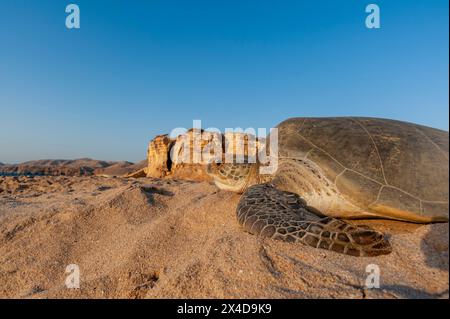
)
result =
(150, 238)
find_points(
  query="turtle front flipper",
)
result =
(266, 211)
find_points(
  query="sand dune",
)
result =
(150, 238)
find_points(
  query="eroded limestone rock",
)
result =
(186, 156)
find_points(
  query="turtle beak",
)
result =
(208, 169)
(211, 168)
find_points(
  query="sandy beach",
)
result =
(166, 238)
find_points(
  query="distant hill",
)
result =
(69, 163)
(77, 167)
(121, 168)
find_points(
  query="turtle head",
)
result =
(232, 177)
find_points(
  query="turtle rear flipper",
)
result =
(266, 211)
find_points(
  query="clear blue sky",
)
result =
(140, 68)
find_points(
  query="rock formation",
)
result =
(159, 163)
(186, 156)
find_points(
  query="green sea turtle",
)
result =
(330, 169)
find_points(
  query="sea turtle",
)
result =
(331, 169)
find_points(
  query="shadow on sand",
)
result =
(434, 246)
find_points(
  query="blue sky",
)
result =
(140, 68)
